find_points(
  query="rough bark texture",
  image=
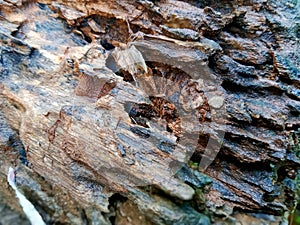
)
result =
(95, 141)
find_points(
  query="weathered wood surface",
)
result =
(89, 128)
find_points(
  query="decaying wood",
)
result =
(114, 98)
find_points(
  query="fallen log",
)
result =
(112, 99)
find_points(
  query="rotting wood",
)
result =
(76, 137)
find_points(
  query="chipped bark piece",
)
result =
(130, 59)
(181, 33)
(246, 51)
(94, 87)
(69, 13)
(216, 101)
(95, 26)
(11, 43)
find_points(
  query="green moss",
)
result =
(193, 165)
(295, 220)
(294, 142)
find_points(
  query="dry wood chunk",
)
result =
(94, 87)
